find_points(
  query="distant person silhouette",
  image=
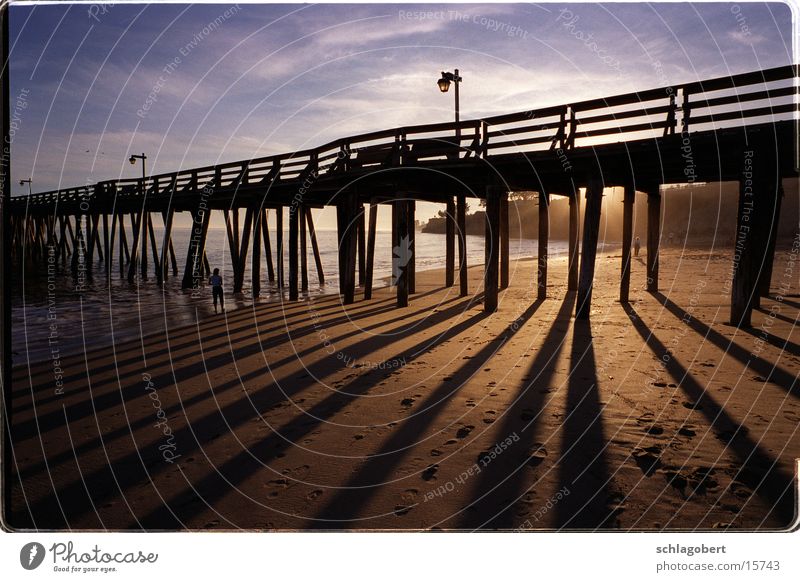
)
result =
(216, 290)
(636, 246)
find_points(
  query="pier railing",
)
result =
(764, 96)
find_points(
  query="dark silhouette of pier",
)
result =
(734, 128)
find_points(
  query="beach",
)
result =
(313, 415)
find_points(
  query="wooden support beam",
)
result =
(771, 204)
(166, 244)
(574, 235)
(267, 246)
(491, 248)
(107, 244)
(279, 244)
(315, 247)
(759, 187)
(123, 245)
(294, 231)
(237, 243)
(653, 237)
(96, 235)
(591, 231)
(346, 211)
(411, 268)
(124, 236)
(136, 225)
(91, 232)
(255, 267)
(68, 240)
(113, 241)
(461, 224)
(362, 243)
(233, 242)
(450, 243)
(173, 258)
(373, 223)
(629, 197)
(400, 250)
(72, 236)
(154, 248)
(196, 250)
(143, 220)
(79, 256)
(504, 241)
(303, 249)
(543, 239)
(340, 227)
(243, 248)
(62, 240)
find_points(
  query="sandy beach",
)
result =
(657, 415)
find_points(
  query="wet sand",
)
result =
(657, 415)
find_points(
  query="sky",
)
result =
(194, 85)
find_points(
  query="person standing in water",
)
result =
(216, 290)
(636, 246)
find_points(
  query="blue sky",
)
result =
(274, 78)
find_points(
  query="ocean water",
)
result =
(52, 315)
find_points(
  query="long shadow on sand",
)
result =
(181, 407)
(770, 371)
(757, 468)
(137, 468)
(583, 465)
(175, 343)
(237, 351)
(502, 483)
(793, 320)
(226, 477)
(344, 509)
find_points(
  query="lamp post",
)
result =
(142, 218)
(142, 157)
(444, 85)
(28, 182)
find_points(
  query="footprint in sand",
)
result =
(315, 494)
(677, 480)
(692, 405)
(464, 431)
(408, 501)
(470, 403)
(686, 431)
(537, 455)
(648, 459)
(654, 430)
(489, 418)
(436, 453)
(359, 436)
(429, 474)
(741, 491)
(406, 402)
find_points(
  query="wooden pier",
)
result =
(736, 128)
